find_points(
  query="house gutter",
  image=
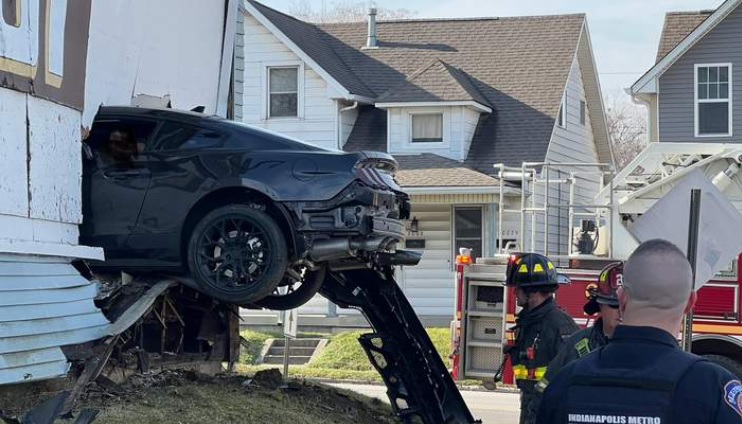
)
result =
(461, 190)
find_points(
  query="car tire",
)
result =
(237, 254)
(727, 363)
(309, 287)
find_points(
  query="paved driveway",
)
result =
(490, 407)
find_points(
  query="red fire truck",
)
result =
(485, 308)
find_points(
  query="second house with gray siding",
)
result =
(691, 90)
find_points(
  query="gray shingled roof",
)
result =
(429, 170)
(518, 65)
(679, 25)
(434, 82)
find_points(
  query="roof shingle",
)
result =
(429, 170)
(517, 65)
(679, 25)
(436, 81)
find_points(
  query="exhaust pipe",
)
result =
(328, 250)
(400, 257)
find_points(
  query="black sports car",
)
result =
(250, 216)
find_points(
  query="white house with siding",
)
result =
(449, 98)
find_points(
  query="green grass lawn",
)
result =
(345, 353)
(342, 359)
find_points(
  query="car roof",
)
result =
(154, 112)
(199, 119)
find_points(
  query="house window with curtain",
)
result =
(713, 102)
(283, 95)
(427, 128)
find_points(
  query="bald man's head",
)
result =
(658, 276)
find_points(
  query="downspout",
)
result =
(340, 123)
(650, 125)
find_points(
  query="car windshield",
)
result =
(272, 134)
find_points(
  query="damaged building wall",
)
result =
(165, 48)
(40, 199)
(42, 79)
(13, 174)
(59, 61)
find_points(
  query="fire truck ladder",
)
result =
(419, 386)
(537, 182)
(666, 162)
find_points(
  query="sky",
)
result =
(624, 33)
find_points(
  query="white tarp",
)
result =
(720, 222)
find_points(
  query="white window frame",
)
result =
(696, 100)
(265, 110)
(562, 112)
(434, 145)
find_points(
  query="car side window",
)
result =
(177, 136)
(118, 143)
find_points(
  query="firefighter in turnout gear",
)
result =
(540, 327)
(602, 298)
(641, 375)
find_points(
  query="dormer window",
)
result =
(427, 128)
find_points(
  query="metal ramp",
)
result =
(419, 386)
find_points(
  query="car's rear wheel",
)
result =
(237, 254)
(297, 288)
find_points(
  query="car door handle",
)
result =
(118, 175)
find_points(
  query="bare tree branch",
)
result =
(627, 127)
(343, 11)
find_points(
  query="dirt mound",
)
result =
(190, 397)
